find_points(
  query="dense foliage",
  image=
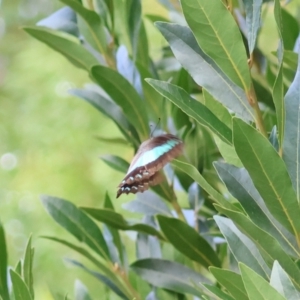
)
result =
(225, 224)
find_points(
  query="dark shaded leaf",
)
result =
(111, 110)
(67, 46)
(117, 221)
(119, 290)
(186, 240)
(169, 275)
(116, 162)
(193, 108)
(123, 93)
(77, 223)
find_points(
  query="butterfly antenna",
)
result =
(154, 127)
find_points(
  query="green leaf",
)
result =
(115, 233)
(134, 25)
(220, 111)
(193, 173)
(186, 240)
(27, 267)
(240, 186)
(62, 20)
(192, 108)
(123, 93)
(81, 291)
(148, 204)
(217, 292)
(21, 290)
(116, 162)
(291, 142)
(67, 215)
(243, 249)
(86, 254)
(228, 152)
(63, 43)
(268, 245)
(111, 110)
(257, 287)
(3, 265)
(169, 275)
(121, 24)
(253, 20)
(117, 221)
(112, 286)
(216, 31)
(193, 59)
(154, 101)
(94, 24)
(282, 283)
(269, 175)
(290, 29)
(231, 281)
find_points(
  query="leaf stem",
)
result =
(251, 95)
(177, 208)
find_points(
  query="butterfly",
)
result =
(151, 157)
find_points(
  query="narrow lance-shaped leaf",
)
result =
(116, 162)
(112, 286)
(204, 70)
(27, 267)
(3, 265)
(77, 223)
(253, 16)
(114, 232)
(21, 291)
(169, 275)
(217, 292)
(70, 48)
(240, 186)
(282, 283)
(269, 175)
(242, 247)
(189, 242)
(291, 142)
(216, 31)
(62, 20)
(266, 243)
(257, 287)
(94, 23)
(193, 172)
(123, 93)
(232, 282)
(278, 88)
(193, 108)
(117, 221)
(111, 110)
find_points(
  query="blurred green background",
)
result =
(48, 141)
(48, 145)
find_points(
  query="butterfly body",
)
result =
(151, 157)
